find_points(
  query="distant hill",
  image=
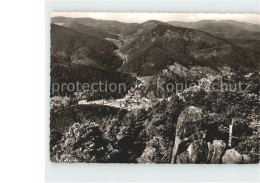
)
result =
(88, 29)
(106, 27)
(70, 46)
(111, 26)
(151, 46)
(156, 48)
(227, 29)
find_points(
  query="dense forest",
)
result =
(99, 133)
(214, 119)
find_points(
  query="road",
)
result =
(119, 103)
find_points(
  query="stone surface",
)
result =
(216, 150)
(196, 153)
(189, 123)
(183, 158)
(191, 144)
(231, 156)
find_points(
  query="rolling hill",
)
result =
(153, 50)
(70, 46)
(111, 26)
(84, 58)
(227, 29)
(89, 30)
(152, 45)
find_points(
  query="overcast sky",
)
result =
(141, 17)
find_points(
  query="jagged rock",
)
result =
(183, 158)
(195, 153)
(155, 151)
(189, 122)
(216, 150)
(198, 151)
(210, 152)
(231, 156)
(175, 149)
(190, 127)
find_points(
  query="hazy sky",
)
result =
(141, 17)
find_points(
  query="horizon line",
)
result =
(135, 17)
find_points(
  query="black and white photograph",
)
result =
(130, 91)
(154, 88)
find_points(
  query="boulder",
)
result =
(183, 158)
(196, 153)
(216, 150)
(189, 123)
(231, 156)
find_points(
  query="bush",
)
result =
(82, 143)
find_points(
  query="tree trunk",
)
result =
(230, 133)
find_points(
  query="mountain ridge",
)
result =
(68, 45)
(166, 44)
(228, 29)
(152, 45)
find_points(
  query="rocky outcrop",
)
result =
(192, 144)
(215, 151)
(231, 156)
(189, 130)
(155, 151)
(196, 153)
(189, 122)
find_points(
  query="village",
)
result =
(132, 100)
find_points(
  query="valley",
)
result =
(191, 95)
(120, 43)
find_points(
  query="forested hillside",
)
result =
(70, 46)
(148, 136)
(153, 50)
(225, 29)
(191, 96)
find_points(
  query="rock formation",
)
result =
(189, 132)
(192, 146)
(216, 150)
(232, 157)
